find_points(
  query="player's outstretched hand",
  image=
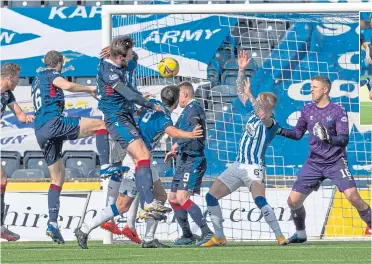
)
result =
(243, 59)
(159, 108)
(321, 132)
(169, 156)
(197, 132)
(148, 95)
(29, 119)
(105, 52)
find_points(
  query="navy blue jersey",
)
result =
(152, 125)
(192, 115)
(110, 102)
(7, 98)
(48, 100)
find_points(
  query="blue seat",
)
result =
(28, 174)
(36, 160)
(11, 161)
(73, 173)
(159, 164)
(17, 3)
(85, 161)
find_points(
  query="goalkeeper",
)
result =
(327, 124)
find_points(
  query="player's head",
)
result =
(132, 64)
(169, 96)
(9, 75)
(53, 60)
(320, 88)
(121, 50)
(267, 100)
(186, 93)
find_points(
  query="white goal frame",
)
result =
(109, 10)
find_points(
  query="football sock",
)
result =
(216, 215)
(53, 202)
(102, 216)
(182, 219)
(196, 215)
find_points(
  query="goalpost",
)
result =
(288, 44)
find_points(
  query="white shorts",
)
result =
(239, 175)
(118, 154)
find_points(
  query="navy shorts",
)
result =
(122, 129)
(312, 175)
(51, 135)
(189, 173)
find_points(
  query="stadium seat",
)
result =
(85, 161)
(87, 81)
(276, 29)
(257, 39)
(28, 174)
(259, 55)
(23, 81)
(94, 173)
(55, 3)
(35, 160)
(213, 72)
(224, 93)
(18, 3)
(202, 94)
(72, 173)
(11, 161)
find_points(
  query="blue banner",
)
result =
(29, 33)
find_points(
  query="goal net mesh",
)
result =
(286, 51)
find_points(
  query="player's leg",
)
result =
(90, 126)
(151, 224)
(121, 206)
(308, 180)
(226, 183)
(257, 188)
(180, 214)
(341, 176)
(5, 232)
(194, 169)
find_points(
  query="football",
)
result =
(168, 67)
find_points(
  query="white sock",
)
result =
(132, 213)
(301, 233)
(112, 192)
(217, 220)
(101, 217)
(151, 225)
(271, 220)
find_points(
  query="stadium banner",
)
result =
(27, 34)
(27, 215)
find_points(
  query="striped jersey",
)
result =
(255, 140)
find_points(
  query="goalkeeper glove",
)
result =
(321, 132)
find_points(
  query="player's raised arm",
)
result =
(243, 62)
(18, 112)
(298, 132)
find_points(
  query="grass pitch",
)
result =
(366, 113)
(252, 252)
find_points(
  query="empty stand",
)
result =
(85, 161)
(11, 161)
(35, 160)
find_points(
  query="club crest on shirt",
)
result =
(113, 77)
(250, 129)
(329, 118)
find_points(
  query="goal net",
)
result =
(286, 50)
